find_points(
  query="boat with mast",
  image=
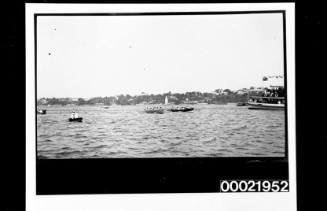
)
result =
(166, 100)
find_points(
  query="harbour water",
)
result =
(129, 132)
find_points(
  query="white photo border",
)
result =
(194, 201)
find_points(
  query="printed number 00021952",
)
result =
(254, 186)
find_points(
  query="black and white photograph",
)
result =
(160, 86)
(161, 99)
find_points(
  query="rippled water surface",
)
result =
(127, 131)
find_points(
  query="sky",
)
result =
(89, 56)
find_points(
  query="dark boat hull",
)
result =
(181, 109)
(174, 110)
(79, 119)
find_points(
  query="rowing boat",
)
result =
(79, 119)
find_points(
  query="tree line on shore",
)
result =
(227, 96)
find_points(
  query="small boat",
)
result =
(79, 119)
(181, 109)
(154, 110)
(106, 107)
(41, 111)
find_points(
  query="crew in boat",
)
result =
(74, 115)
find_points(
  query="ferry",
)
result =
(266, 103)
(269, 98)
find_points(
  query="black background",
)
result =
(310, 106)
(155, 175)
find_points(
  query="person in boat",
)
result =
(74, 115)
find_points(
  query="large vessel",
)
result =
(267, 103)
(269, 98)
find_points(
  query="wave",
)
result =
(231, 130)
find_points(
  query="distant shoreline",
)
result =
(219, 96)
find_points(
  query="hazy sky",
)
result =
(88, 56)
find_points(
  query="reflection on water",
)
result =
(127, 131)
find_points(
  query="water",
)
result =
(127, 131)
